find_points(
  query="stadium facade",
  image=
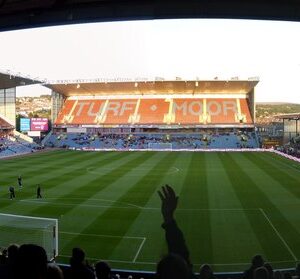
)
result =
(8, 83)
(153, 106)
(291, 126)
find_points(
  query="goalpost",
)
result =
(20, 229)
(159, 145)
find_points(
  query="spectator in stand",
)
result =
(270, 270)
(172, 266)
(278, 275)
(206, 272)
(261, 273)
(6, 271)
(297, 272)
(79, 268)
(3, 257)
(54, 272)
(103, 270)
(31, 262)
(257, 262)
(177, 263)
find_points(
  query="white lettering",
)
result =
(211, 111)
(113, 106)
(81, 105)
(182, 107)
(192, 106)
(91, 108)
(229, 105)
(127, 106)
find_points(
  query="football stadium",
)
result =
(145, 178)
(111, 148)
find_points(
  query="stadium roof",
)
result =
(290, 116)
(5, 125)
(16, 14)
(10, 80)
(154, 87)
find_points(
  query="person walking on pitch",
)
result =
(20, 181)
(38, 192)
(12, 192)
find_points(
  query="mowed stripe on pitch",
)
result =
(287, 224)
(194, 194)
(291, 183)
(57, 185)
(251, 197)
(119, 221)
(86, 185)
(155, 244)
(246, 189)
(231, 230)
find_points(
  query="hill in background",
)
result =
(266, 112)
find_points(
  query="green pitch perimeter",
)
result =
(232, 205)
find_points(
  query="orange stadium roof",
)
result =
(79, 88)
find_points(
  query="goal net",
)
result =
(159, 145)
(20, 229)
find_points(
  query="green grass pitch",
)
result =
(232, 205)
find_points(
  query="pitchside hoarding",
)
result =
(24, 124)
(39, 124)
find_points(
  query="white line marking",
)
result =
(137, 172)
(103, 235)
(139, 250)
(88, 199)
(130, 205)
(279, 235)
(81, 204)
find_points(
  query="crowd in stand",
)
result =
(292, 148)
(143, 141)
(12, 145)
(30, 261)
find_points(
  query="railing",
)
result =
(46, 138)
(23, 137)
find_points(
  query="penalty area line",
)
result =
(139, 250)
(104, 235)
(279, 235)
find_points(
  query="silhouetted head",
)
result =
(78, 256)
(54, 272)
(261, 273)
(172, 267)
(205, 272)
(257, 261)
(102, 270)
(31, 262)
(270, 269)
(12, 252)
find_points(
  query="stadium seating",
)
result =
(15, 146)
(155, 111)
(142, 141)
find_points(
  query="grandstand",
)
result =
(11, 142)
(214, 112)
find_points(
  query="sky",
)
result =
(187, 48)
